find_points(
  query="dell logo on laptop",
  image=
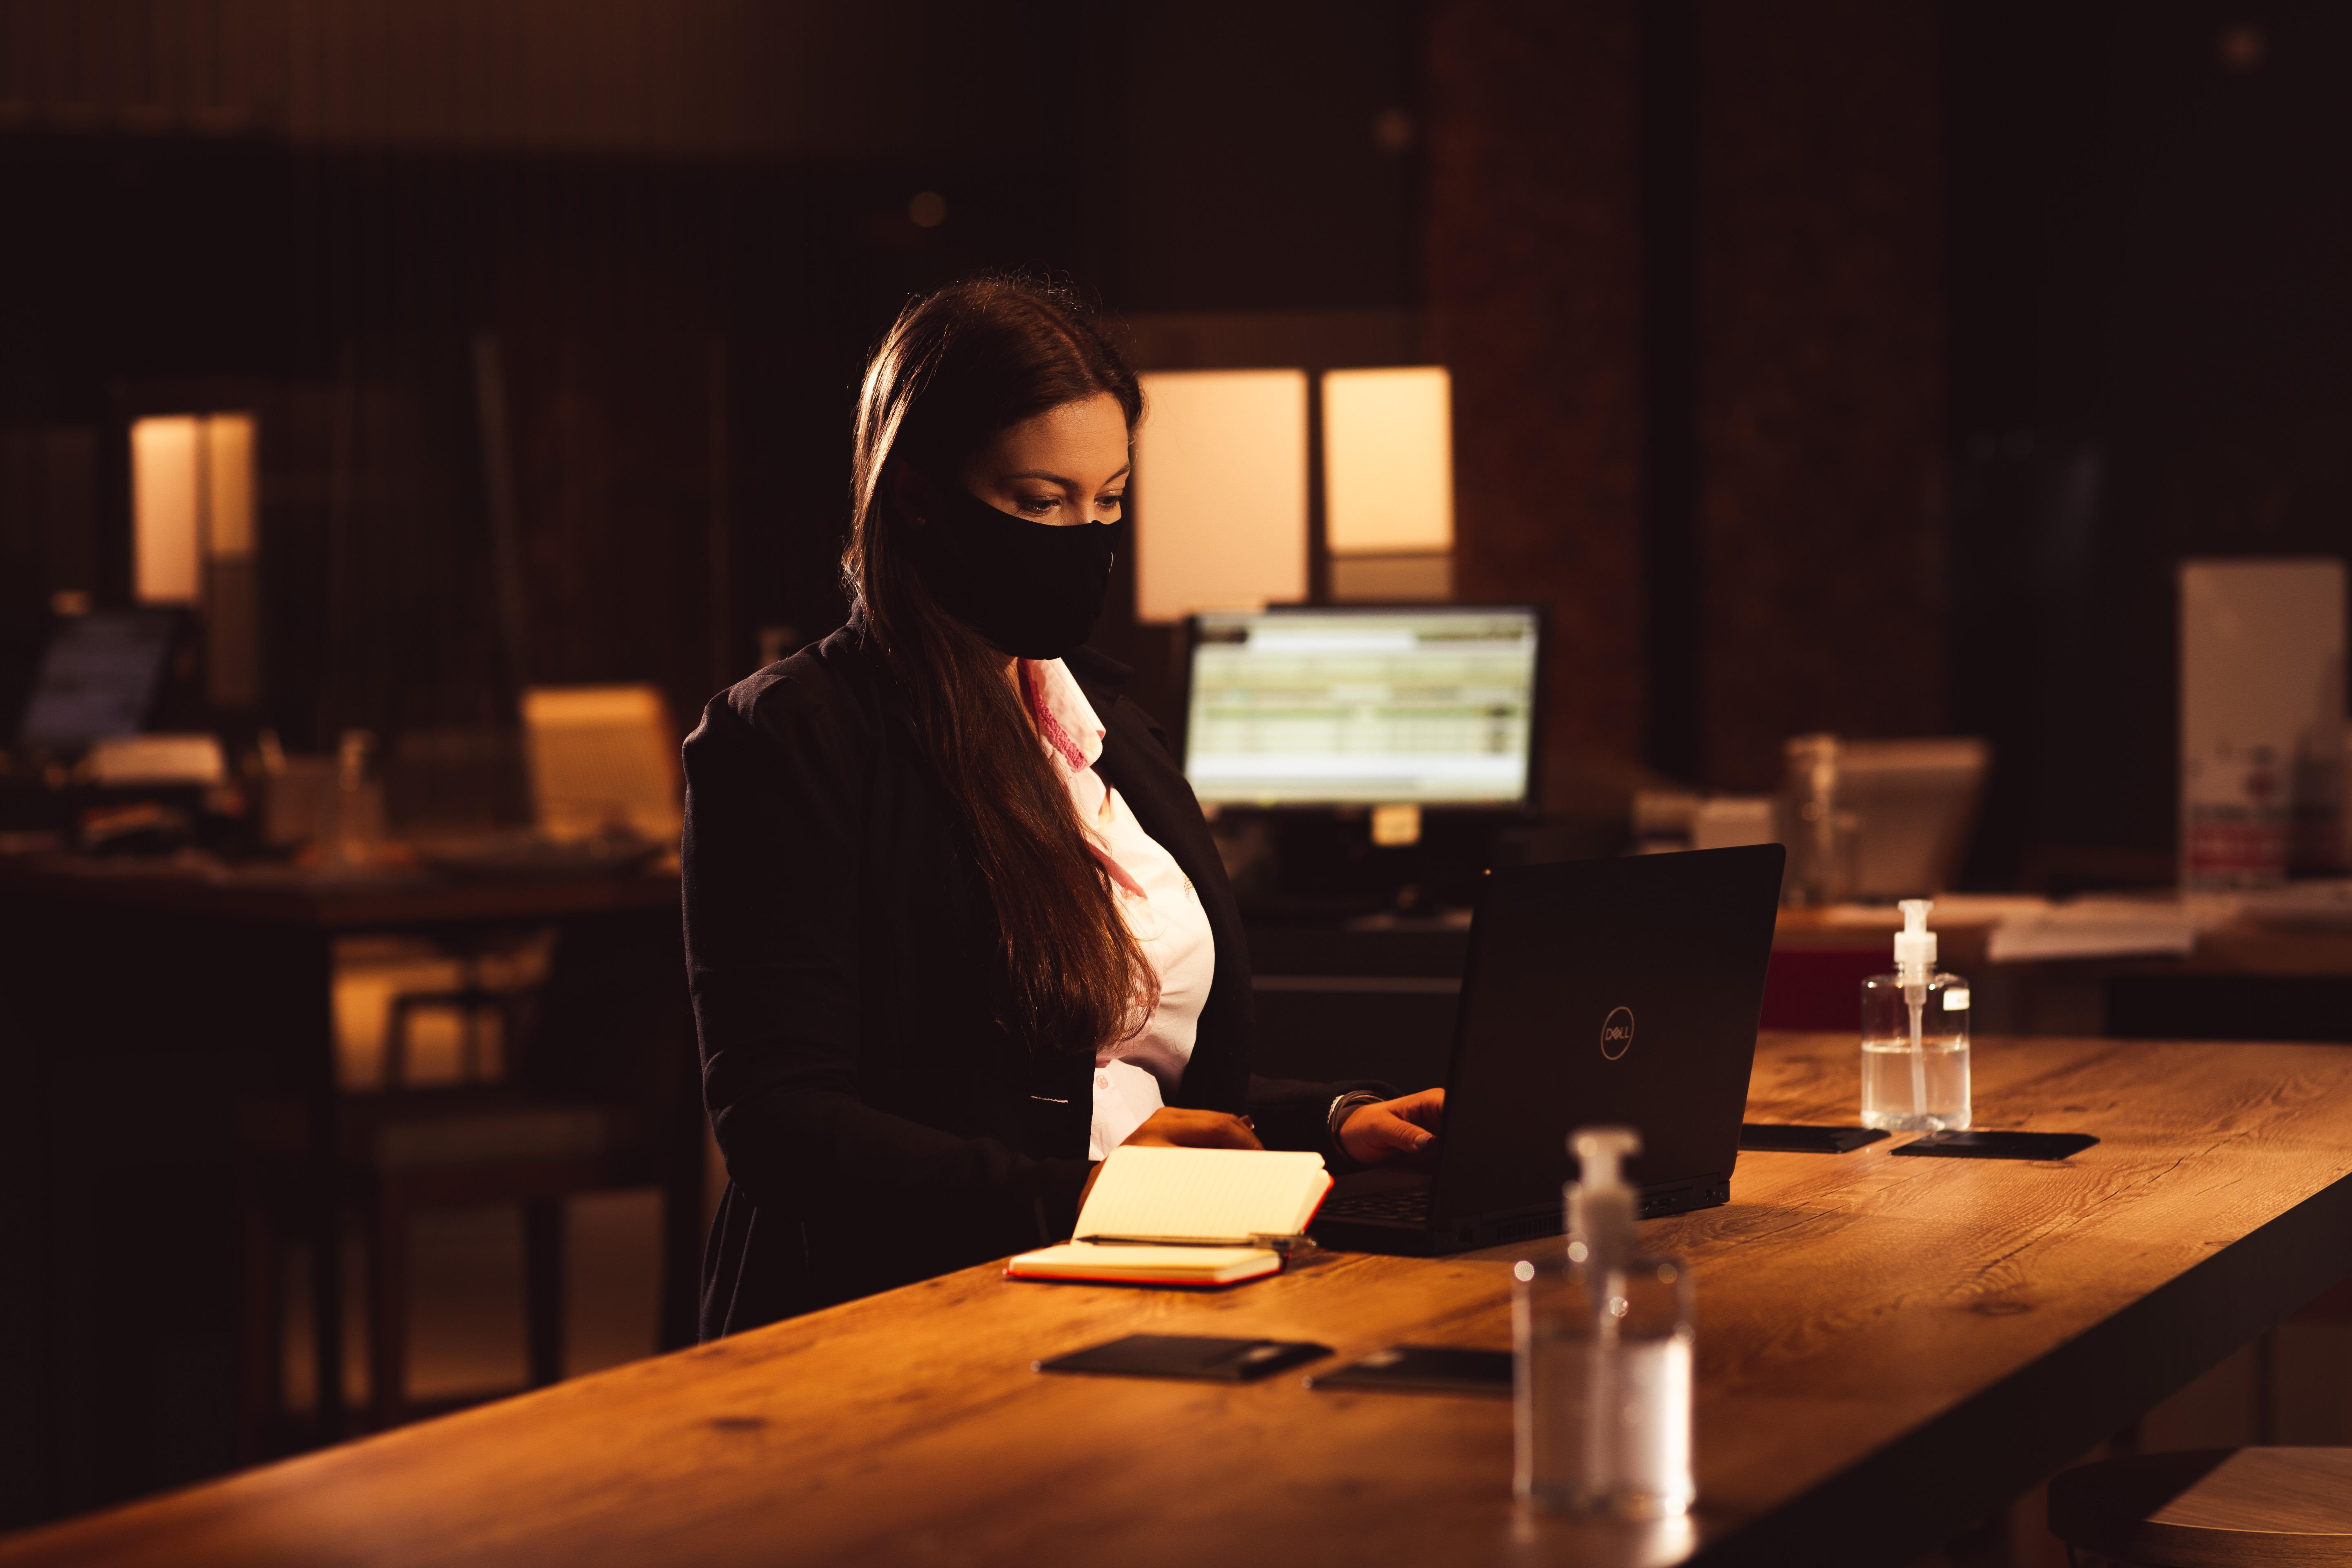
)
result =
(1617, 1032)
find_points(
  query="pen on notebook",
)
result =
(1279, 1243)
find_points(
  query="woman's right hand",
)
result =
(1175, 1127)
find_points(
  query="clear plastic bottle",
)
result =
(355, 826)
(1822, 837)
(1604, 1337)
(1914, 1038)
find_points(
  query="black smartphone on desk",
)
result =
(1203, 1357)
(1995, 1144)
(1425, 1369)
(1794, 1139)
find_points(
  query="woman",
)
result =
(955, 926)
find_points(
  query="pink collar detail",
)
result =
(1057, 737)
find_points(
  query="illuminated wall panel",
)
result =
(1388, 455)
(191, 493)
(166, 527)
(191, 501)
(1220, 491)
(229, 485)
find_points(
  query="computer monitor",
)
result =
(1431, 705)
(1915, 802)
(98, 678)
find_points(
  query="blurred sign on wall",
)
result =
(2262, 718)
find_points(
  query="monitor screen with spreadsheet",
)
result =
(1432, 705)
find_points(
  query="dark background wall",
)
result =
(1268, 156)
(1685, 263)
(1535, 300)
(681, 292)
(1820, 378)
(2147, 218)
(1870, 367)
(1828, 365)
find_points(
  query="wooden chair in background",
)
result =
(578, 1097)
(512, 1129)
(476, 1145)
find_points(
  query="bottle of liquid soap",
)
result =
(1604, 1335)
(1914, 1038)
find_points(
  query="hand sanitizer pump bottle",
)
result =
(1603, 1335)
(1914, 1038)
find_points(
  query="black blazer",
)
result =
(879, 1127)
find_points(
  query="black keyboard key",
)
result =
(1410, 1206)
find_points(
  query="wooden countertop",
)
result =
(1888, 1347)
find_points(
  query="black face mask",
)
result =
(1032, 589)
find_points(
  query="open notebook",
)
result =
(1184, 1216)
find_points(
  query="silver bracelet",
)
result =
(1341, 1108)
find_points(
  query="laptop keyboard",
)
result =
(1410, 1206)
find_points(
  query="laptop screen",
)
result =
(98, 678)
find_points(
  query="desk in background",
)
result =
(1889, 1349)
(2236, 975)
(145, 1012)
(1378, 1000)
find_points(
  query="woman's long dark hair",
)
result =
(955, 370)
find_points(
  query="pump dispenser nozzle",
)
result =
(1914, 964)
(1915, 944)
(1601, 1207)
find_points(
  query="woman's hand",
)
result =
(1388, 1129)
(1175, 1127)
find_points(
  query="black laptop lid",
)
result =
(1623, 992)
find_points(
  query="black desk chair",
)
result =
(2216, 1508)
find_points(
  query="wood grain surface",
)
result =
(1887, 1350)
(2217, 1508)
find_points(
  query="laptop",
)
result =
(1621, 992)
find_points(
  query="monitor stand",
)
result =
(1320, 867)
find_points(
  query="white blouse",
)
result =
(1133, 1077)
